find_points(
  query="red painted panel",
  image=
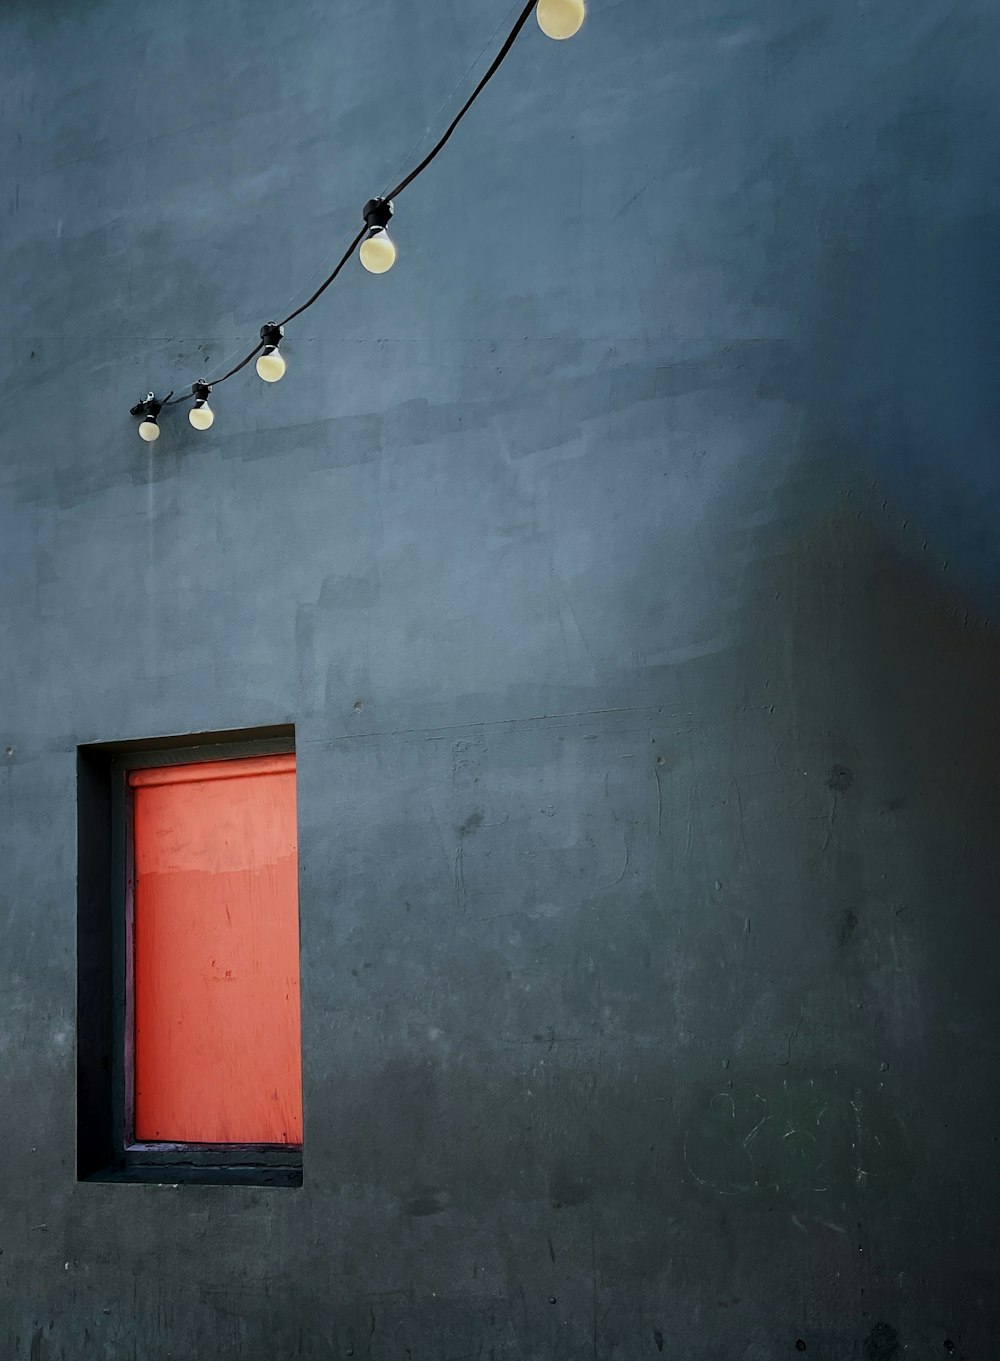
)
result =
(216, 933)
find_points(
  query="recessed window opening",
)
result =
(189, 1053)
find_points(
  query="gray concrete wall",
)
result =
(624, 559)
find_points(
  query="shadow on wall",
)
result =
(904, 347)
(857, 1014)
(892, 678)
(915, 339)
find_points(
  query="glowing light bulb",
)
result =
(271, 364)
(149, 431)
(560, 18)
(201, 414)
(378, 253)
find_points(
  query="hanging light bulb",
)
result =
(560, 18)
(270, 363)
(201, 414)
(378, 252)
(149, 409)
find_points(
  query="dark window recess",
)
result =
(188, 1033)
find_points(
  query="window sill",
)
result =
(184, 1174)
(206, 1165)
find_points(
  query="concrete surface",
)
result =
(625, 560)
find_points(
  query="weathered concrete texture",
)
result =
(624, 559)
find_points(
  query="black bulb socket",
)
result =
(201, 391)
(377, 214)
(149, 408)
(271, 334)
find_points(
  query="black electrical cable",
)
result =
(330, 278)
(394, 193)
(498, 59)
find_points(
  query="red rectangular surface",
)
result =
(216, 939)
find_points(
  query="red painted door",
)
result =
(216, 938)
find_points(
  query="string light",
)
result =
(271, 364)
(377, 253)
(149, 409)
(201, 414)
(557, 19)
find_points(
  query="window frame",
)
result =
(114, 1153)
